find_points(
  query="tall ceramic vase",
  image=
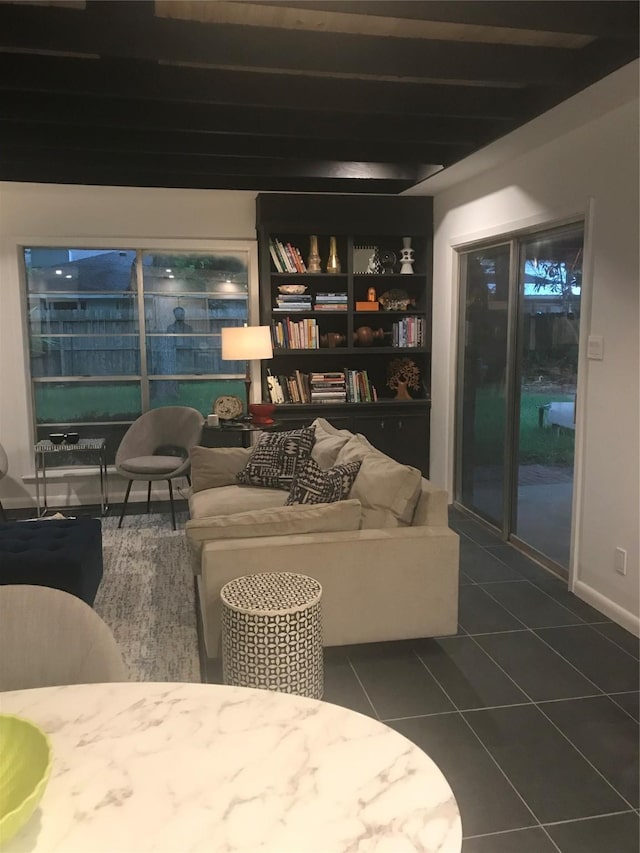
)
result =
(406, 257)
(313, 261)
(333, 264)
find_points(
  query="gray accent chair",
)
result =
(49, 637)
(156, 447)
(4, 467)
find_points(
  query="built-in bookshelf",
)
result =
(344, 317)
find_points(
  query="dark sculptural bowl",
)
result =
(56, 437)
(72, 437)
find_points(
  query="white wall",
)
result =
(589, 171)
(123, 217)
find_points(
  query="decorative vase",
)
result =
(365, 336)
(332, 339)
(333, 264)
(313, 261)
(406, 257)
(402, 392)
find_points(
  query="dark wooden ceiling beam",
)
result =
(257, 122)
(613, 18)
(145, 80)
(22, 168)
(100, 31)
(98, 139)
(273, 167)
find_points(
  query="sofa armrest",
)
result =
(432, 509)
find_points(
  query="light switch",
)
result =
(595, 347)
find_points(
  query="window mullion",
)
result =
(144, 375)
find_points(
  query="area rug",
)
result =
(147, 597)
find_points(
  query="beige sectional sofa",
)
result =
(385, 556)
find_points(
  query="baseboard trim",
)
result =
(614, 612)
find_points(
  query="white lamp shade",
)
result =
(246, 343)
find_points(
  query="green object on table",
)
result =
(25, 765)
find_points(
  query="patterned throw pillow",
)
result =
(312, 485)
(274, 459)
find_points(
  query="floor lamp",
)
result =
(246, 343)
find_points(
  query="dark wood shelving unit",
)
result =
(399, 428)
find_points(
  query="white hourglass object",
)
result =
(406, 257)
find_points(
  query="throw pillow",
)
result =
(329, 441)
(387, 490)
(274, 459)
(313, 485)
(212, 467)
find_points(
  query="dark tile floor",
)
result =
(530, 711)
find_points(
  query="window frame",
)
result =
(140, 246)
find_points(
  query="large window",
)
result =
(115, 332)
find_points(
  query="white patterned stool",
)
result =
(272, 633)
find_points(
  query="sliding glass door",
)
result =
(549, 288)
(483, 386)
(517, 380)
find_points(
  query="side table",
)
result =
(272, 633)
(95, 446)
(236, 435)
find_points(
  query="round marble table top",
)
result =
(198, 767)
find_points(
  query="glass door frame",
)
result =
(512, 399)
(507, 460)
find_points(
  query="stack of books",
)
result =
(359, 389)
(328, 387)
(408, 332)
(331, 302)
(286, 257)
(287, 302)
(287, 334)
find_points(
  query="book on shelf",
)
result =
(329, 306)
(408, 332)
(286, 257)
(347, 386)
(301, 306)
(289, 334)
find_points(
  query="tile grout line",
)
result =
(461, 715)
(613, 642)
(570, 625)
(537, 705)
(363, 688)
(618, 705)
(591, 817)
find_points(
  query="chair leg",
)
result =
(173, 513)
(3, 514)
(124, 505)
(148, 497)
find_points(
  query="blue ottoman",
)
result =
(64, 554)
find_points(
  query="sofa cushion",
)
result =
(329, 441)
(387, 490)
(313, 485)
(212, 467)
(276, 521)
(232, 499)
(273, 460)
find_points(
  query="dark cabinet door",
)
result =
(405, 437)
